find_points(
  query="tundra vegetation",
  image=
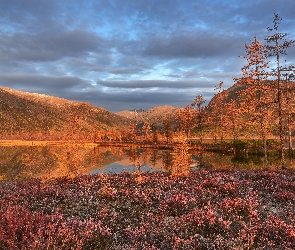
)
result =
(224, 209)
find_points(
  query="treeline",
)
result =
(260, 104)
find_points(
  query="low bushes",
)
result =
(222, 209)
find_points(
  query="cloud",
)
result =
(143, 84)
(50, 46)
(124, 71)
(187, 45)
(120, 100)
(48, 84)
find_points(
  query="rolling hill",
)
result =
(24, 112)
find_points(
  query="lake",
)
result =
(51, 161)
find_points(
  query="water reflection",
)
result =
(18, 162)
(118, 168)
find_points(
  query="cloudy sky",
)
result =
(127, 54)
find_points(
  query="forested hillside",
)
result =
(237, 112)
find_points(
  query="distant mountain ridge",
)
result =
(153, 115)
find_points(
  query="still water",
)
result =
(20, 162)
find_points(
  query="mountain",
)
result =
(38, 113)
(153, 115)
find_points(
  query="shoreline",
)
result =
(44, 143)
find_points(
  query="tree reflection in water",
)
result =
(19, 162)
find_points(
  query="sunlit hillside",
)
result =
(35, 114)
(238, 108)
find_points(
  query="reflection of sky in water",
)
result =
(21, 162)
(116, 168)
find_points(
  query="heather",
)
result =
(210, 209)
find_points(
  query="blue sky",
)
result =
(127, 54)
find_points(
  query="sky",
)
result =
(132, 54)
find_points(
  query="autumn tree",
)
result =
(155, 135)
(276, 47)
(124, 133)
(132, 132)
(232, 118)
(186, 119)
(216, 117)
(257, 94)
(289, 103)
(168, 128)
(147, 132)
(197, 103)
